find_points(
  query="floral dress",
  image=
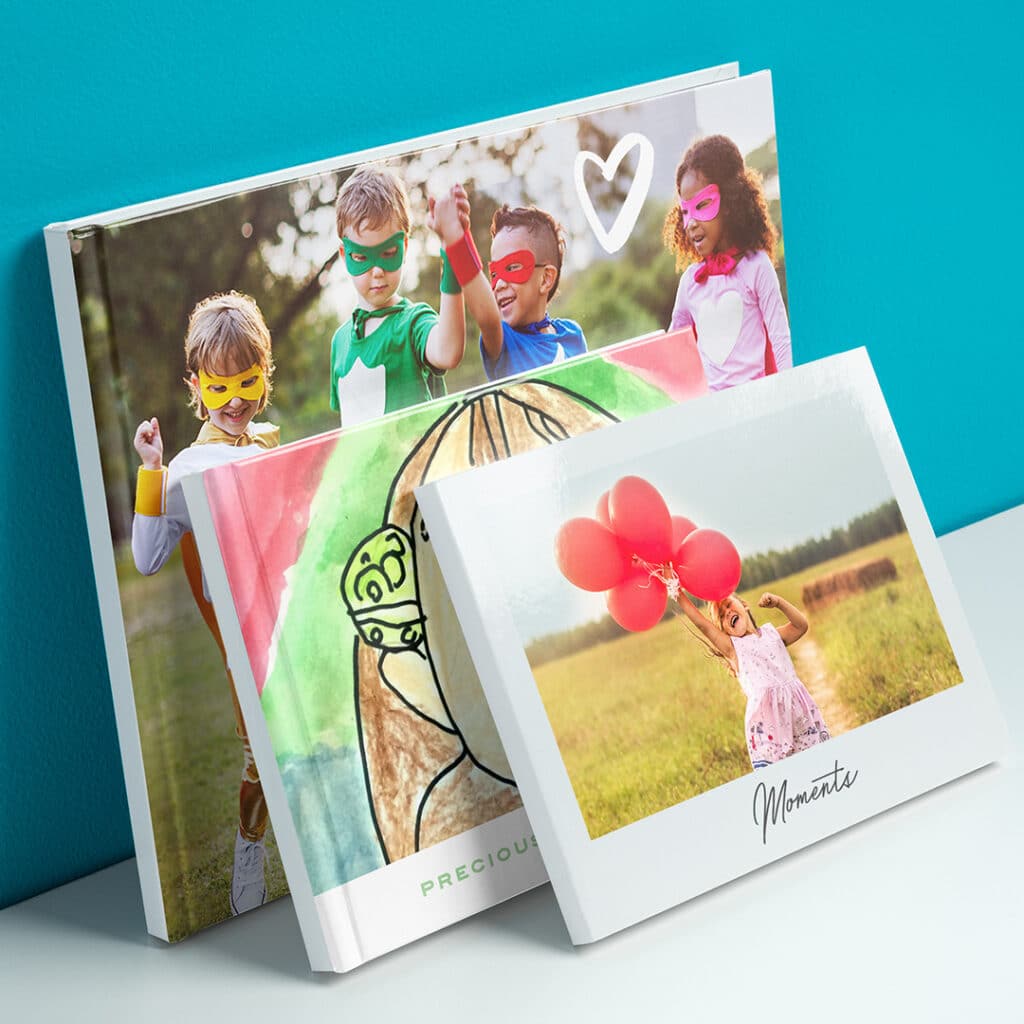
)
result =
(781, 718)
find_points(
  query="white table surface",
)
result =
(915, 915)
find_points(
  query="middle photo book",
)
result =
(395, 809)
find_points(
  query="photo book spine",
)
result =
(84, 422)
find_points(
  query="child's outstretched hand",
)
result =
(462, 202)
(797, 625)
(149, 444)
(445, 215)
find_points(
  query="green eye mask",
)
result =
(361, 258)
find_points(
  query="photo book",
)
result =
(248, 324)
(394, 806)
(711, 636)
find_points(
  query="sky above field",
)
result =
(771, 483)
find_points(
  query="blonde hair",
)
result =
(714, 610)
(371, 196)
(226, 330)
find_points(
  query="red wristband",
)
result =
(464, 259)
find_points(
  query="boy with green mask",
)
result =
(392, 353)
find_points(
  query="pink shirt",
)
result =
(731, 313)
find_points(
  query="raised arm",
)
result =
(797, 625)
(446, 343)
(718, 639)
(155, 533)
(483, 306)
(450, 219)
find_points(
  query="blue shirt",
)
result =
(526, 350)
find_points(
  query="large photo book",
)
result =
(207, 329)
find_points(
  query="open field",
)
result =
(192, 757)
(649, 719)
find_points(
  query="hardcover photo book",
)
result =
(396, 811)
(711, 636)
(211, 330)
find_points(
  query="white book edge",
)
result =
(101, 549)
(285, 832)
(584, 105)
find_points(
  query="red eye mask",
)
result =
(703, 206)
(516, 268)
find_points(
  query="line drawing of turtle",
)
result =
(432, 760)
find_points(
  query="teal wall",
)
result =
(900, 146)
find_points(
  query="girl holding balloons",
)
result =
(782, 717)
(642, 556)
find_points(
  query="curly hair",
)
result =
(744, 211)
(545, 231)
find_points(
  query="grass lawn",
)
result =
(193, 759)
(649, 719)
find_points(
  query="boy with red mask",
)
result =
(516, 333)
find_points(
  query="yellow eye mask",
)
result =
(217, 391)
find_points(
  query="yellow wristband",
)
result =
(150, 491)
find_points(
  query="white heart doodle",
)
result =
(718, 323)
(612, 241)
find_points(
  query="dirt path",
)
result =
(811, 669)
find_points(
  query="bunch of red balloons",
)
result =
(635, 548)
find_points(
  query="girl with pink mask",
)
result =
(720, 232)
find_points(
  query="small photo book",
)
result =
(711, 636)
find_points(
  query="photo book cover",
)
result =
(217, 326)
(813, 616)
(723, 629)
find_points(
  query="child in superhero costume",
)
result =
(229, 366)
(516, 332)
(392, 353)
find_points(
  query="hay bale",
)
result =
(836, 586)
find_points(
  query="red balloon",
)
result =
(638, 602)
(708, 565)
(589, 555)
(602, 511)
(681, 529)
(640, 518)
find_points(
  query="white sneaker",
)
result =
(248, 885)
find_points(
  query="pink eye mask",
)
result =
(703, 206)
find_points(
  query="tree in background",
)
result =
(139, 280)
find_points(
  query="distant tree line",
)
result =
(884, 521)
(766, 567)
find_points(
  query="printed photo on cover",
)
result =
(715, 607)
(340, 297)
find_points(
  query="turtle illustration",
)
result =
(433, 762)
